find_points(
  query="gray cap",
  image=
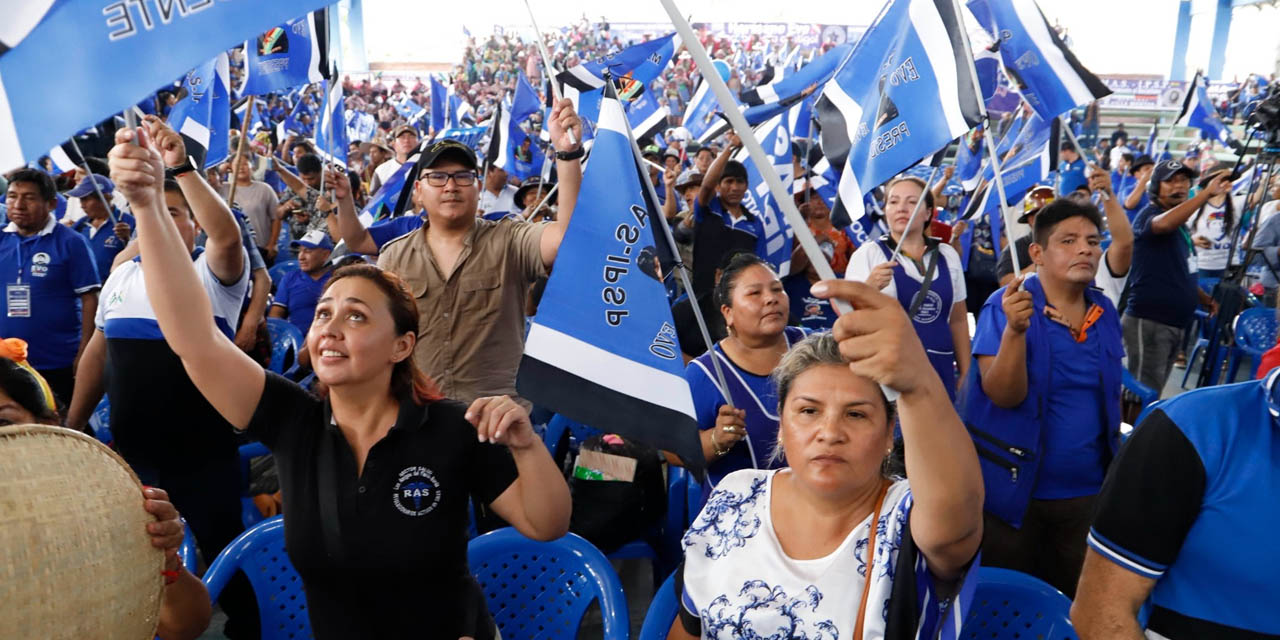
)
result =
(689, 177)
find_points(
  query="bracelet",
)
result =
(571, 155)
(170, 577)
(715, 446)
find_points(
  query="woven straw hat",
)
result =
(75, 557)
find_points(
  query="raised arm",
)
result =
(227, 378)
(946, 482)
(569, 172)
(348, 223)
(223, 246)
(1120, 253)
(537, 504)
(1135, 196)
(290, 178)
(716, 169)
(1173, 219)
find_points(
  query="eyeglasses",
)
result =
(460, 178)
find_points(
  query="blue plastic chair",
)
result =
(542, 589)
(259, 552)
(286, 343)
(1205, 327)
(1255, 332)
(279, 269)
(100, 422)
(249, 513)
(187, 550)
(1009, 604)
(693, 500)
(1146, 395)
(663, 610)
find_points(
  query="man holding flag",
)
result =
(470, 275)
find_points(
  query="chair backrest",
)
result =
(1256, 328)
(259, 552)
(187, 550)
(100, 421)
(663, 610)
(542, 589)
(1009, 604)
(286, 341)
(1146, 395)
(280, 268)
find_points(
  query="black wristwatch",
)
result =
(571, 155)
(186, 167)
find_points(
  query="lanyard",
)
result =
(22, 259)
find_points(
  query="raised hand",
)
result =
(1018, 306)
(876, 338)
(137, 170)
(498, 419)
(563, 119)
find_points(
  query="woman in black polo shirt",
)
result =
(377, 476)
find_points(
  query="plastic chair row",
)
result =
(534, 589)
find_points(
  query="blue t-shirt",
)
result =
(1142, 203)
(1072, 444)
(812, 312)
(1161, 287)
(298, 292)
(103, 242)
(385, 231)
(1071, 176)
(58, 267)
(755, 394)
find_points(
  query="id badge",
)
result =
(18, 298)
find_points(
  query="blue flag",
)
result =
(203, 115)
(439, 104)
(331, 135)
(775, 245)
(383, 203)
(1199, 112)
(646, 117)
(288, 55)
(786, 89)
(1052, 81)
(292, 124)
(907, 89)
(111, 53)
(525, 158)
(969, 159)
(603, 349)
(632, 69)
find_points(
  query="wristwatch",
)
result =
(571, 155)
(186, 167)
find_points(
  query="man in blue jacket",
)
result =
(1043, 402)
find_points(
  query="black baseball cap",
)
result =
(1168, 169)
(1140, 162)
(448, 148)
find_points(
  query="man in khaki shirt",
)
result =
(469, 275)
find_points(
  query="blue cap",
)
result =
(314, 239)
(86, 187)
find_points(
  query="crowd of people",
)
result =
(854, 463)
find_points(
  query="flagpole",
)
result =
(546, 63)
(1004, 208)
(96, 188)
(235, 162)
(529, 214)
(1071, 135)
(928, 184)
(757, 152)
(680, 267)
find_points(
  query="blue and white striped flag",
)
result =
(108, 52)
(605, 352)
(646, 117)
(331, 134)
(775, 245)
(907, 90)
(288, 55)
(1199, 112)
(1050, 77)
(203, 115)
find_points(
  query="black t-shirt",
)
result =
(1005, 266)
(401, 566)
(687, 331)
(713, 240)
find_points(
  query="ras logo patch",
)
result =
(417, 492)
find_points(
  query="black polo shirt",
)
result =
(400, 563)
(717, 234)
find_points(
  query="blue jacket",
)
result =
(1010, 441)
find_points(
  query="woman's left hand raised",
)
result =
(500, 420)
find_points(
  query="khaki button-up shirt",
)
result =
(471, 322)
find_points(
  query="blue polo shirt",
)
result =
(58, 266)
(1193, 502)
(1161, 287)
(298, 292)
(717, 234)
(1142, 203)
(1073, 445)
(385, 231)
(103, 242)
